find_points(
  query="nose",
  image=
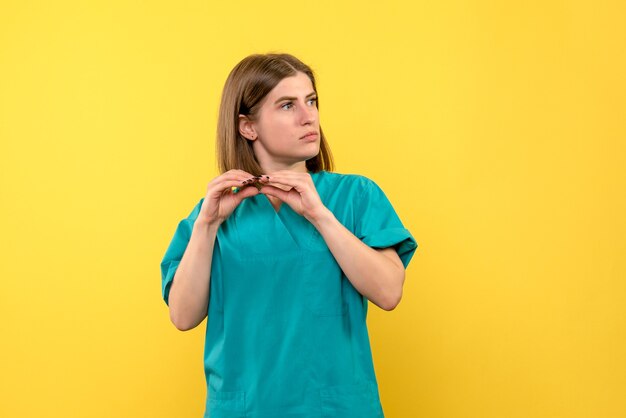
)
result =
(308, 113)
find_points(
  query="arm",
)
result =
(189, 289)
(378, 274)
(189, 292)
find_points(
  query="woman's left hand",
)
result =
(302, 198)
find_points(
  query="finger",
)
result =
(289, 177)
(258, 182)
(224, 185)
(230, 175)
(255, 180)
(275, 191)
(250, 180)
(247, 192)
(299, 184)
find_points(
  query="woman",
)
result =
(282, 256)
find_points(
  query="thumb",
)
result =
(246, 192)
(275, 192)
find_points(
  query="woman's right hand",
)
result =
(220, 201)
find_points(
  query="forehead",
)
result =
(296, 85)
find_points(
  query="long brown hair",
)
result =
(246, 86)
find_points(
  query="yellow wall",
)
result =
(496, 129)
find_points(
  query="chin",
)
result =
(307, 157)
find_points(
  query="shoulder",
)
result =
(346, 194)
(344, 181)
(193, 215)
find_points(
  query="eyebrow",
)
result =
(293, 98)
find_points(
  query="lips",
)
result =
(309, 135)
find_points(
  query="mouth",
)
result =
(310, 135)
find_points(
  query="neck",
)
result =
(299, 167)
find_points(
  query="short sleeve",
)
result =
(176, 249)
(378, 224)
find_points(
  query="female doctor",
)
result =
(282, 256)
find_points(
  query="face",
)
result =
(287, 113)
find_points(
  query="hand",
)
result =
(302, 197)
(220, 201)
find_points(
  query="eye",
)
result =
(313, 99)
(283, 106)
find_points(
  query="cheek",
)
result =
(272, 134)
(276, 128)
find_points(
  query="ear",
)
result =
(246, 128)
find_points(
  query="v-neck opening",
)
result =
(280, 207)
(282, 204)
(270, 235)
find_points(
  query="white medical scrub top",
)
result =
(286, 333)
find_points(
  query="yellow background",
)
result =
(496, 129)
